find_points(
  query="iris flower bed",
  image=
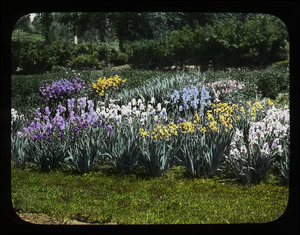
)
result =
(61, 88)
(209, 129)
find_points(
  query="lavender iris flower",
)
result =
(109, 128)
(180, 120)
(47, 111)
(59, 88)
(82, 102)
(90, 104)
(71, 104)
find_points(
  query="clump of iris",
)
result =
(189, 97)
(59, 88)
(44, 126)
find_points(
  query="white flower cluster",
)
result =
(15, 116)
(266, 134)
(134, 108)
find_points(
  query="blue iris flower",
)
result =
(175, 96)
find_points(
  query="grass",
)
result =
(20, 35)
(103, 196)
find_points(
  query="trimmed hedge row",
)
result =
(30, 57)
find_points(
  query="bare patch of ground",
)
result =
(45, 219)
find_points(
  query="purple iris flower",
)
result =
(109, 128)
(82, 102)
(47, 111)
(90, 104)
(61, 109)
(71, 104)
(61, 87)
(180, 120)
(38, 113)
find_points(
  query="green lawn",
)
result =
(105, 197)
(24, 35)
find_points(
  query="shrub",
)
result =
(37, 57)
(85, 61)
(122, 58)
(265, 83)
(180, 46)
(283, 99)
(273, 81)
(255, 41)
(31, 57)
(147, 54)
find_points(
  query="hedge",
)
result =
(258, 42)
(31, 57)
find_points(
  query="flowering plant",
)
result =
(104, 83)
(59, 88)
(257, 145)
(17, 120)
(188, 98)
(145, 112)
(202, 152)
(157, 156)
(225, 90)
(122, 147)
(50, 138)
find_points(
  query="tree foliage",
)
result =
(23, 23)
(234, 40)
(217, 39)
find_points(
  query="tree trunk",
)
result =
(101, 35)
(121, 43)
(75, 35)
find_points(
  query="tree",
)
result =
(73, 19)
(46, 20)
(129, 26)
(23, 23)
(96, 20)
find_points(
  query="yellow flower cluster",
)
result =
(187, 127)
(143, 133)
(213, 126)
(104, 83)
(224, 113)
(221, 115)
(270, 102)
(202, 129)
(165, 132)
(256, 106)
(197, 118)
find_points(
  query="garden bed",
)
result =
(209, 129)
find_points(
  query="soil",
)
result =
(45, 219)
